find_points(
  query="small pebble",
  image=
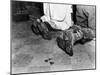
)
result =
(46, 60)
(51, 63)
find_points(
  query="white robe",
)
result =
(58, 15)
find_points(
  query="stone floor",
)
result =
(31, 53)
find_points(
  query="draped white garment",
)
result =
(58, 15)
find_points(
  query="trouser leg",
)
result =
(86, 17)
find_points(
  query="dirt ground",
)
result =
(31, 53)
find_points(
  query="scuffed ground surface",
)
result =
(31, 53)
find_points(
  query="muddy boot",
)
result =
(67, 39)
(44, 31)
(75, 33)
(64, 42)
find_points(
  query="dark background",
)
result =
(20, 11)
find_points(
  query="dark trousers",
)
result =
(86, 17)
